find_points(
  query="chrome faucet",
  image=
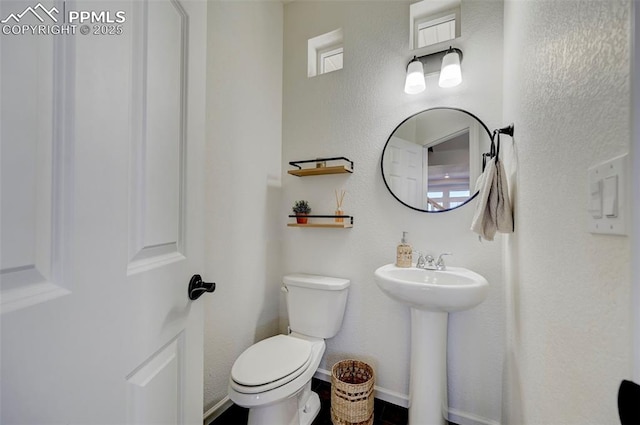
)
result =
(427, 263)
(440, 265)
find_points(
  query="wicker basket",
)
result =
(352, 393)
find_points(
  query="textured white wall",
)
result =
(567, 88)
(243, 204)
(635, 149)
(352, 112)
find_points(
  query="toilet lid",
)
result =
(270, 360)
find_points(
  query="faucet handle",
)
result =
(425, 261)
(440, 263)
(431, 262)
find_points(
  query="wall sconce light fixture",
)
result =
(447, 61)
(415, 77)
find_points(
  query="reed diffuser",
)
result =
(339, 200)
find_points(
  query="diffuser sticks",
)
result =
(339, 200)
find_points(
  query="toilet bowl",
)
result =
(267, 390)
(273, 377)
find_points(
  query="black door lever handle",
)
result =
(197, 287)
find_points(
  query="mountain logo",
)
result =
(38, 11)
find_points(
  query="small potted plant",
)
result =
(301, 209)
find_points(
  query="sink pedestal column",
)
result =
(428, 403)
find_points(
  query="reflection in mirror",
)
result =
(432, 159)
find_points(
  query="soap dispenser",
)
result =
(404, 252)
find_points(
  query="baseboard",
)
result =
(379, 392)
(463, 418)
(217, 410)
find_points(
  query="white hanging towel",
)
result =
(493, 210)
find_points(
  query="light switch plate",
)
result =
(608, 189)
(610, 196)
(595, 203)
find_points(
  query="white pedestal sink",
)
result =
(431, 295)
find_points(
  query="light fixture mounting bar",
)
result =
(433, 61)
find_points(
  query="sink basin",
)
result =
(453, 289)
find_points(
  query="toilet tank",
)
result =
(316, 304)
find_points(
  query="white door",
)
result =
(102, 133)
(404, 171)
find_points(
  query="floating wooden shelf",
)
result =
(325, 225)
(324, 169)
(346, 224)
(340, 169)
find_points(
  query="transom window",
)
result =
(331, 60)
(325, 53)
(433, 22)
(436, 30)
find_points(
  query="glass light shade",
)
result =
(450, 73)
(415, 78)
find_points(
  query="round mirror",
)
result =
(432, 159)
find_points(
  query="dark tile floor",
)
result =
(383, 413)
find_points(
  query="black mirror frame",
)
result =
(387, 144)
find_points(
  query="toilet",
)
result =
(273, 377)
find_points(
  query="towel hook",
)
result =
(508, 130)
(495, 140)
(484, 160)
(492, 149)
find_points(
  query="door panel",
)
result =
(155, 387)
(34, 222)
(157, 173)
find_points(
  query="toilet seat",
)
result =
(283, 388)
(270, 363)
